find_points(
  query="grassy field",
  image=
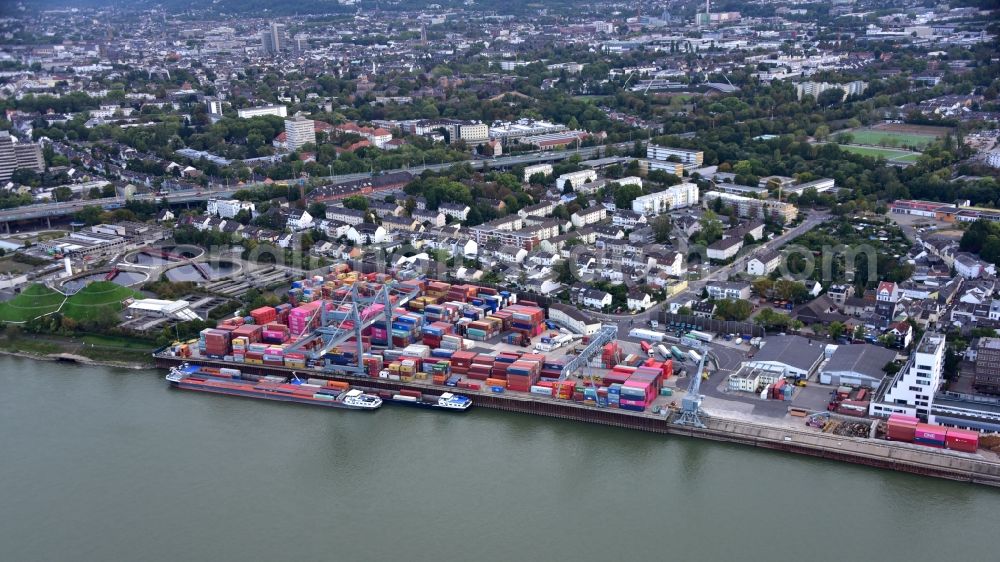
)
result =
(94, 299)
(88, 303)
(891, 138)
(887, 153)
(34, 301)
(118, 342)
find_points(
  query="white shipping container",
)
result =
(648, 335)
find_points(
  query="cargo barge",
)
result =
(270, 387)
(868, 452)
(447, 402)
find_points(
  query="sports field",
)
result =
(890, 138)
(889, 154)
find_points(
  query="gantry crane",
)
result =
(349, 317)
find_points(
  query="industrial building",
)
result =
(860, 364)
(794, 356)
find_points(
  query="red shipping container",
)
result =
(962, 440)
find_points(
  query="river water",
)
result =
(105, 464)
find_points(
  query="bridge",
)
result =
(51, 210)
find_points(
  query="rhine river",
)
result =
(101, 464)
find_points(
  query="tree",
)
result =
(356, 202)
(625, 194)
(837, 329)
(859, 333)
(762, 286)
(563, 270)
(662, 228)
(62, 193)
(567, 187)
(317, 209)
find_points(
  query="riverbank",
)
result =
(87, 350)
(901, 457)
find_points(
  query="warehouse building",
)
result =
(796, 356)
(861, 364)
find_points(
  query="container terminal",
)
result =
(428, 343)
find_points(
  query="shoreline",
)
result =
(887, 455)
(79, 359)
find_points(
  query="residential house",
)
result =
(725, 249)
(367, 233)
(345, 215)
(728, 290)
(638, 300)
(590, 215)
(763, 263)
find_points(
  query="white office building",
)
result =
(576, 179)
(229, 208)
(674, 197)
(536, 169)
(299, 131)
(911, 390)
(278, 110)
(683, 155)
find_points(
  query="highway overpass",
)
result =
(51, 210)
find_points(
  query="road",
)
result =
(47, 210)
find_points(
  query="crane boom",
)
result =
(691, 411)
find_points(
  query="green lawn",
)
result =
(94, 299)
(34, 301)
(118, 342)
(891, 138)
(887, 153)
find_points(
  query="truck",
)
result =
(647, 348)
(677, 353)
(648, 335)
(663, 351)
(701, 336)
(695, 357)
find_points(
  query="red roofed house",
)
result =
(903, 332)
(887, 292)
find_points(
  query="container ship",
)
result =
(447, 401)
(331, 394)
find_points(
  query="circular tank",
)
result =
(123, 278)
(202, 271)
(164, 255)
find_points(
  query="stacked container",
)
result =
(522, 374)
(461, 361)
(639, 391)
(481, 367)
(610, 355)
(304, 318)
(275, 333)
(930, 435)
(264, 315)
(529, 320)
(214, 343)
